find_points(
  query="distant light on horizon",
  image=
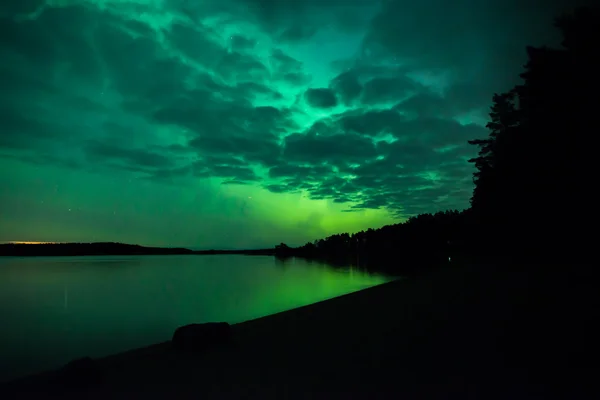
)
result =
(27, 242)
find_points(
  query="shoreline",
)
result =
(460, 331)
(164, 346)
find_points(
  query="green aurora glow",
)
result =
(244, 123)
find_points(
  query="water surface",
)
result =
(55, 309)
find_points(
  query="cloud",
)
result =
(241, 43)
(298, 32)
(335, 149)
(385, 90)
(299, 171)
(18, 130)
(97, 151)
(299, 20)
(321, 98)
(234, 173)
(347, 86)
(479, 46)
(370, 122)
(253, 92)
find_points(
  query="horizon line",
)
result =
(192, 248)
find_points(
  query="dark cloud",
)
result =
(406, 176)
(250, 89)
(218, 89)
(20, 38)
(241, 67)
(385, 90)
(300, 20)
(301, 172)
(296, 78)
(197, 110)
(139, 66)
(277, 188)
(197, 42)
(221, 126)
(431, 131)
(371, 123)
(264, 151)
(283, 62)
(334, 149)
(321, 98)
(50, 40)
(23, 7)
(236, 173)
(19, 84)
(20, 131)
(437, 132)
(458, 99)
(241, 43)
(373, 85)
(347, 86)
(169, 175)
(426, 105)
(102, 152)
(298, 32)
(480, 43)
(431, 34)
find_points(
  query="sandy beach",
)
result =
(468, 332)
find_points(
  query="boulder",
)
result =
(80, 373)
(201, 337)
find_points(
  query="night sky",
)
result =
(244, 123)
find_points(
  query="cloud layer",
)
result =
(365, 104)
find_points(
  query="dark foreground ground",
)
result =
(462, 333)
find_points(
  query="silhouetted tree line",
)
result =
(423, 240)
(536, 173)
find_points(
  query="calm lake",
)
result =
(53, 310)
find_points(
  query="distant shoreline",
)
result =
(109, 249)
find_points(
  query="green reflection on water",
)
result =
(57, 309)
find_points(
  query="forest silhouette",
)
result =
(534, 174)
